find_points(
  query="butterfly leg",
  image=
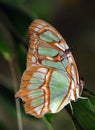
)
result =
(71, 108)
(86, 98)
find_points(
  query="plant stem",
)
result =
(14, 78)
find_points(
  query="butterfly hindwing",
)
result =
(42, 91)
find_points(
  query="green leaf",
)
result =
(48, 121)
(84, 112)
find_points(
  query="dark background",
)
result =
(74, 19)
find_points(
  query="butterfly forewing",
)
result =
(46, 84)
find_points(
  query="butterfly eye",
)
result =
(48, 36)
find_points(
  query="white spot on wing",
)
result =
(39, 26)
(58, 45)
(62, 46)
(44, 87)
(33, 59)
(36, 29)
(43, 70)
(35, 41)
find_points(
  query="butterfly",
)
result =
(51, 79)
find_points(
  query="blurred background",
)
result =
(74, 19)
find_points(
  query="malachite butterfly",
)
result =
(51, 79)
